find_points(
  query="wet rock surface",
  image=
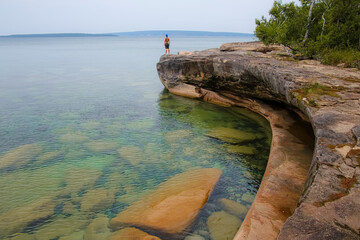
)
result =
(328, 96)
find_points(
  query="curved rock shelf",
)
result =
(302, 195)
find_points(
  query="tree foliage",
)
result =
(330, 25)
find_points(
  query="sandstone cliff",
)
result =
(329, 207)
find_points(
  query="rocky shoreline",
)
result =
(327, 205)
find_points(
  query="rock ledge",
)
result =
(329, 207)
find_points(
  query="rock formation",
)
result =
(18, 219)
(173, 205)
(223, 225)
(19, 156)
(97, 199)
(329, 207)
(132, 234)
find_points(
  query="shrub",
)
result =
(347, 57)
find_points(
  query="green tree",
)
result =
(313, 27)
(343, 28)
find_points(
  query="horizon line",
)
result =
(126, 32)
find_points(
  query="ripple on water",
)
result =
(92, 170)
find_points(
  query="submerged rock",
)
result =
(174, 204)
(174, 136)
(141, 124)
(60, 227)
(97, 229)
(101, 146)
(113, 129)
(241, 149)
(79, 235)
(133, 154)
(69, 208)
(19, 188)
(233, 208)
(230, 135)
(132, 234)
(79, 178)
(223, 226)
(19, 156)
(48, 156)
(16, 220)
(194, 237)
(248, 197)
(75, 137)
(131, 195)
(152, 153)
(90, 125)
(191, 151)
(115, 180)
(22, 236)
(97, 199)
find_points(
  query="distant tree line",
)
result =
(328, 30)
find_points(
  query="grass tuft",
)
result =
(349, 58)
(314, 91)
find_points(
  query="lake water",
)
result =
(84, 118)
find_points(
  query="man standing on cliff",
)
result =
(167, 44)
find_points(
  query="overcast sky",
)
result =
(105, 16)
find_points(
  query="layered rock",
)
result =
(328, 96)
(173, 205)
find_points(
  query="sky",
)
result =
(107, 16)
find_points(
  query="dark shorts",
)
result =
(167, 46)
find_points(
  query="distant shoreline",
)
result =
(155, 33)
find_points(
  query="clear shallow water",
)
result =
(88, 116)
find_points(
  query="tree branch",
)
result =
(308, 22)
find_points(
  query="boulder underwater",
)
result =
(18, 219)
(97, 199)
(173, 205)
(232, 136)
(19, 156)
(131, 233)
(222, 225)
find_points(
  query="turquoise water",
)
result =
(80, 117)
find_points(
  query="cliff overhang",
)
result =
(241, 74)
